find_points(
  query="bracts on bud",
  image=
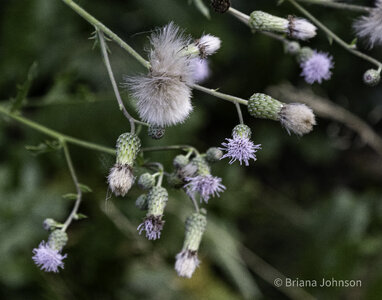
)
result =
(295, 27)
(372, 77)
(295, 117)
(121, 176)
(187, 260)
(153, 224)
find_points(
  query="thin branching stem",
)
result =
(217, 94)
(239, 113)
(74, 211)
(172, 147)
(339, 5)
(195, 203)
(112, 79)
(336, 38)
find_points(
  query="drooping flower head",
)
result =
(156, 202)
(372, 77)
(240, 147)
(294, 117)
(121, 176)
(203, 182)
(48, 255)
(317, 67)
(187, 260)
(370, 26)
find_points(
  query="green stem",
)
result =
(56, 134)
(76, 183)
(172, 147)
(112, 79)
(88, 17)
(341, 42)
(352, 7)
(239, 113)
(226, 97)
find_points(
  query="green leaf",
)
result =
(202, 8)
(84, 188)
(353, 43)
(70, 196)
(80, 216)
(280, 2)
(330, 39)
(44, 147)
(22, 90)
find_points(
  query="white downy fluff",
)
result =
(208, 45)
(164, 94)
(301, 29)
(186, 263)
(370, 26)
(297, 118)
(120, 179)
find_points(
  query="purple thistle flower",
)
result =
(241, 149)
(153, 226)
(317, 67)
(205, 185)
(201, 70)
(48, 259)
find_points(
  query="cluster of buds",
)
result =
(187, 260)
(121, 176)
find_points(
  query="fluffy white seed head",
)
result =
(120, 179)
(301, 29)
(370, 26)
(164, 94)
(208, 44)
(297, 118)
(186, 263)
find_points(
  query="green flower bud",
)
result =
(128, 147)
(141, 202)
(213, 155)
(242, 131)
(201, 164)
(146, 181)
(263, 21)
(264, 107)
(292, 47)
(157, 199)
(180, 161)
(372, 77)
(57, 239)
(304, 54)
(156, 132)
(195, 226)
(50, 224)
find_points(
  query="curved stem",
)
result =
(239, 113)
(76, 183)
(196, 205)
(55, 134)
(112, 79)
(341, 42)
(345, 6)
(88, 17)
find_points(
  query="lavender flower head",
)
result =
(201, 70)
(47, 258)
(205, 185)
(153, 226)
(317, 67)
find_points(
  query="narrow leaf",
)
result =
(84, 188)
(202, 8)
(70, 196)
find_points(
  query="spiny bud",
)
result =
(292, 47)
(304, 54)
(213, 155)
(187, 260)
(264, 107)
(220, 6)
(242, 131)
(201, 164)
(294, 27)
(57, 239)
(372, 77)
(153, 224)
(146, 181)
(156, 132)
(180, 161)
(295, 117)
(50, 224)
(128, 147)
(141, 202)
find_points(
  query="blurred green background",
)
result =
(309, 208)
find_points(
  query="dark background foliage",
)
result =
(310, 207)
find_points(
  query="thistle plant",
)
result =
(176, 63)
